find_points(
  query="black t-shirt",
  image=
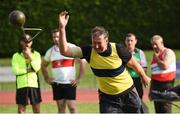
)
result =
(123, 52)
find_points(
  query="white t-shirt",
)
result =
(63, 68)
(143, 60)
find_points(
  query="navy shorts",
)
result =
(63, 91)
(24, 95)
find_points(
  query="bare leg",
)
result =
(61, 104)
(72, 106)
(36, 108)
(21, 109)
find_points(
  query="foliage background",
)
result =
(142, 17)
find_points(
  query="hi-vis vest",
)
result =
(20, 66)
(161, 75)
(111, 75)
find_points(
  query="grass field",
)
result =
(87, 82)
(82, 108)
(51, 108)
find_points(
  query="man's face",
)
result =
(100, 43)
(157, 45)
(26, 45)
(130, 42)
(55, 38)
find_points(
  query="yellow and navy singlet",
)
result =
(109, 68)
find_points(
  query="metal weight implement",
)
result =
(17, 18)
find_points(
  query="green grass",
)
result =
(82, 108)
(148, 53)
(151, 107)
(87, 82)
(177, 52)
(5, 61)
(51, 108)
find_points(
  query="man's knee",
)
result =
(36, 108)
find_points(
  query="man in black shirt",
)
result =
(108, 62)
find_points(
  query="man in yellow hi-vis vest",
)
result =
(25, 65)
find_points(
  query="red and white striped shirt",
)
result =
(161, 74)
(63, 68)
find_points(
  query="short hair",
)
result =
(157, 37)
(98, 31)
(129, 35)
(26, 38)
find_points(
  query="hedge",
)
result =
(142, 17)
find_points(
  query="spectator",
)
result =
(138, 54)
(25, 65)
(163, 67)
(63, 79)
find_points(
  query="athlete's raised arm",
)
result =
(65, 50)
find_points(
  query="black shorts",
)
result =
(162, 107)
(24, 95)
(126, 102)
(63, 91)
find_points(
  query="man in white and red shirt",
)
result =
(163, 68)
(63, 79)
